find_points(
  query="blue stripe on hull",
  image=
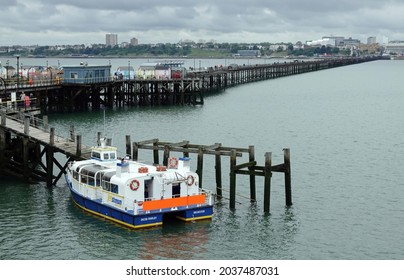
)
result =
(196, 213)
(138, 221)
(116, 215)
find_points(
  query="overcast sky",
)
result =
(57, 22)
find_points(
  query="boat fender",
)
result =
(190, 180)
(134, 185)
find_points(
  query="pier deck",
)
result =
(58, 96)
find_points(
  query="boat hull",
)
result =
(143, 220)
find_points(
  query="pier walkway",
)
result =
(28, 147)
(59, 96)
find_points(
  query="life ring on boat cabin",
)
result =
(190, 180)
(134, 185)
(139, 203)
(172, 162)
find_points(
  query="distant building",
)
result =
(277, 47)
(134, 41)
(124, 73)
(337, 39)
(111, 39)
(249, 53)
(351, 42)
(325, 41)
(162, 72)
(3, 71)
(85, 74)
(371, 40)
(395, 47)
(147, 70)
(10, 71)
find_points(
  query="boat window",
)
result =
(106, 186)
(84, 178)
(105, 180)
(112, 155)
(95, 155)
(114, 188)
(106, 156)
(75, 175)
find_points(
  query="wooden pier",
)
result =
(57, 96)
(28, 147)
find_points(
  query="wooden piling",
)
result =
(199, 168)
(251, 157)
(3, 118)
(49, 166)
(185, 153)
(78, 146)
(128, 146)
(45, 122)
(71, 133)
(166, 155)
(218, 171)
(288, 183)
(135, 151)
(25, 157)
(52, 136)
(98, 138)
(233, 161)
(156, 159)
(109, 141)
(267, 181)
(26, 124)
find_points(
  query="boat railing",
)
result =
(208, 196)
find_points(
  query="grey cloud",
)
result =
(168, 21)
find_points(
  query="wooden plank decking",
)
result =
(60, 144)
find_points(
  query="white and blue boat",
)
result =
(135, 194)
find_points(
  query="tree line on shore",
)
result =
(177, 50)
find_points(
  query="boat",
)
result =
(136, 194)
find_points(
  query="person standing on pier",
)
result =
(27, 101)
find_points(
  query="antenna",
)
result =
(104, 121)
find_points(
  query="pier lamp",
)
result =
(129, 70)
(47, 70)
(7, 63)
(18, 74)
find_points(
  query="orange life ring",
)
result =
(172, 162)
(190, 180)
(134, 185)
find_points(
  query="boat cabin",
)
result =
(104, 153)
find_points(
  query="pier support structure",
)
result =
(249, 168)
